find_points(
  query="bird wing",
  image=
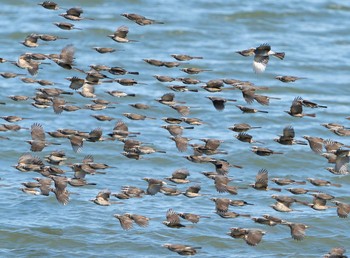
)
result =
(37, 132)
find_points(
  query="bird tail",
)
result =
(311, 115)
(262, 111)
(336, 185)
(279, 55)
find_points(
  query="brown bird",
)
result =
(298, 190)
(38, 142)
(102, 198)
(268, 220)
(60, 191)
(125, 221)
(321, 182)
(286, 181)
(343, 209)
(134, 116)
(287, 138)
(246, 52)
(27, 162)
(287, 78)
(140, 20)
(172, 220)
(250, 110)
(251, 236)
(66, 57)
(164, 78)
(315, 143)
(242, 127)
(296, 108)
(319, 204)
(183, 110)
(74, 14)
(182, 249)
(120, 35)
(245, 137)
(44, 185)
(194, 218)
(49, 5)
(336, 252)
(221, 204)
(154, 185)
(310, 104)
(221, 184)
(261, 180)
(297, 230)
(66, 26)
(154, 62)
(140, 220)
(76, 143)
(183, 57)
(264, 151)
(341, 162)
(193, 191)
(179, 176)
(121, 131)
(194, 70)
(181, 142)
(219, 103)
(176, 130)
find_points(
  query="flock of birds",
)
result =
(84, 83)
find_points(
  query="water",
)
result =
(314, 37)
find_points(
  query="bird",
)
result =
(261, 57)
(176, 130)
(343, 209)
(74, 14)
(287, 138)
(179, 176)
(251, 236)
(140, 20)
(297, 230)
(315, 143)
(60, 190)
(66, 26)
(243, 127)
(288, 78)
(250, 110)
(321, 182)
(140, 220)
(182, 249)
(194, 70)
(180, 142)
(38, 142)
(184, 57)
(245, 137)
(49, 5)
(120, 35)
(219, 103)
(296, 109)
(286, 181)
(310, 104)
(66, 58)
(246, 52)
(193, 191)
(194, 218)
(102, 198)
(44, 185)
(172, 220)
(154, 185)
(125, 221)
(264, 151)
(336, 252)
